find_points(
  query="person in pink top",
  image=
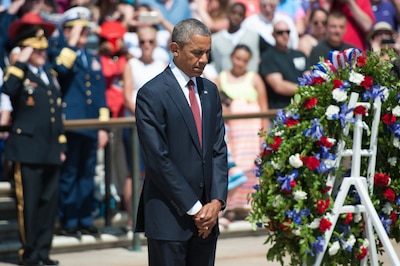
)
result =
(360, 19)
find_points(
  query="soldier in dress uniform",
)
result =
(83, 88)
(37, 143)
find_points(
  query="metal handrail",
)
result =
(130, 122)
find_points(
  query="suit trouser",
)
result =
(77, 181)
(194, 252)
(36, 188)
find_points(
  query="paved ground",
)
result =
(232, 251)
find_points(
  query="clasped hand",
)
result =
(206, 218)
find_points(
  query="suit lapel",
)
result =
(182, 105)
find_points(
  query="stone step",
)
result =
(112, 237)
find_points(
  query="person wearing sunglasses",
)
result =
(336, 28)
(316, 30)
(281, 66)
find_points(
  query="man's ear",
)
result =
(174, 47)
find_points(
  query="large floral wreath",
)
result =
(292, 199)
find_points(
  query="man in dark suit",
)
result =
(37, 142)
(185, 185)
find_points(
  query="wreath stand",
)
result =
(366, 207)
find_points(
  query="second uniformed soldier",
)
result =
(83, 87)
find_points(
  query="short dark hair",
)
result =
(186, 28)
(242, 47)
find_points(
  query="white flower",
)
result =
(331, 111)
(339, 95)
(295, 161)
(277, 201)
(356, 78)
(315, 223)
(299, 195)
(396, 142)
(387, 208)
(385, 93)
(332, 140)
(334, 248)
(297, 232)
(275, 165)
(392, 161)
(357, 217)
(396, 111)
(351, 240)
(329, 163)
(366, 242)
(279, 133)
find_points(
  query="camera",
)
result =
(388, 41)
(148, 17)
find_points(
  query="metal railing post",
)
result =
(136, 171)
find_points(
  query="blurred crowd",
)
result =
(259, 49)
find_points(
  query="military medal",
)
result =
(30, 87)
(30, 101)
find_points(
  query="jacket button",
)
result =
(18, 131)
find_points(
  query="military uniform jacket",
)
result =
(82, 83)
(37, 132)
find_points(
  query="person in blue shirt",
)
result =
(172, 10)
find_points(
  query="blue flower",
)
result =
(296, 216)
(374, 93)
(287, 179)
(315, 131)
(342, 116)
(386, 223)
(318, 245)
(395, 128)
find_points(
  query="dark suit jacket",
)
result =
(178, 171)
(37, 131)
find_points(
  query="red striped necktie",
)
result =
(195, 110)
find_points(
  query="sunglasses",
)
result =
(281, 32)
(319, 22)
(141, 42)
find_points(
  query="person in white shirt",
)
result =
(263, 22)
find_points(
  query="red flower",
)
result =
(285, 225)
(277, 143)
(381, 180)
(265, 152)
(367, 82)
(326, 190)
(324, 142)
(322, 205)
(362, 253)
(389, 194)
(292, 184)
(317, 80)
(360, 110)
(388, 119)
(291, 122)
(361, 61)
(324, 225)
(348, 218)
(310, 102)
(393, 217)
(311, 161)
(337, 83)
